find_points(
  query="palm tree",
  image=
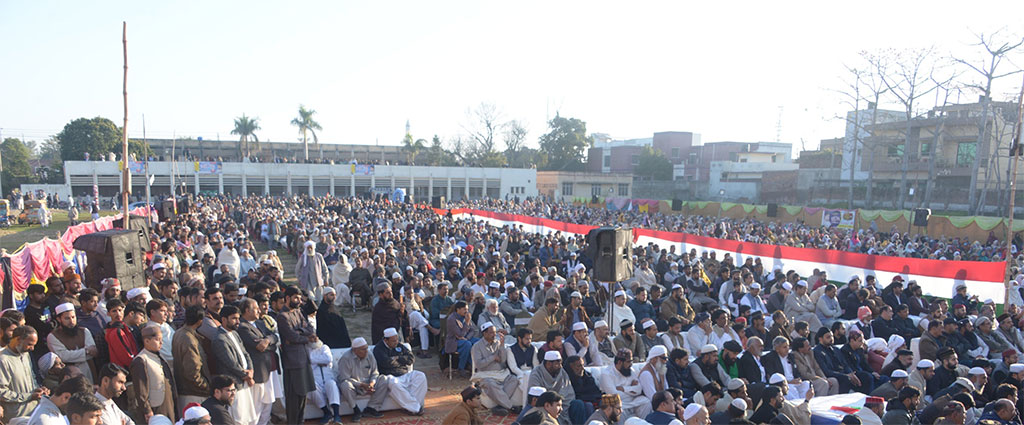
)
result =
(412, 148)
(246, 127)
(305, 124)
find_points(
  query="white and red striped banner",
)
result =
(936, 277)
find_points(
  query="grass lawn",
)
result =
(18, 234)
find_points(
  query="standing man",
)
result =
(222, 397)
(261, 347)
(191, 370)
(490, 370)
(408, 387)
(233, 360)
(19, 391)
(311, 269)
(388, 313)
(113, 379)
(357, 376)
(295, 332)
(152, 378)
(73, 344)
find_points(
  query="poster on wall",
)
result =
(362, 169)
(842, 219)
(209, 167)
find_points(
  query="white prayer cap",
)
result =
(964, 382)
(67, 265)
(159, 266)
(552, 356)
(134, 292)
(64, 308)
(739, 403)
(620, 293)
(925, 364)
(159, 420)
(648, 324)
(976, 371)
(494, 284)
(196, 412)
(898, 373)
(268, 262)
(390, 332)
(691, 410)
(635, 421)
(579, 326)
(46, 362)
(396, 275)
(1017, 368)
(575, 294)
(755, 285)
(327, 290)
(801, 283)
(600, 324)
(709, 348)
(676, 286)
(359, 342)
(485, 325)
(787, 286)
(536, 391)
(777, 378)
(510, 284)
(656, 351)
(308, 244)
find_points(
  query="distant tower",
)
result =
(778, 127)
(407, 127)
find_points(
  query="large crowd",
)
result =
(217, 336)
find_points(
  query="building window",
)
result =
(634, 159)
(623, 189)
(607, 161)
(675, 152)
(693, 159)
(965, 153)
(595, 190)
(567, 189)
(926, 149)
(895, 151)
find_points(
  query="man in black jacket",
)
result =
(677, 373)
(408, 387)
(223, 397)
(330, 325)
(832, 363)
(751, 364)
(883, 326)
(583, 382)
(771, 400)
(856, 358)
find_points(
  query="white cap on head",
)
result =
(975, 371)
(494, 284)
(575, 294)
(396, 275)
(327, 290)
(709, 348)
(801, 283)
(600, 324)
(777, 378)
(359, 342)
(579, 326)
(390, 332)
(486, 325)
(536, 391)
(159, 266)
(787, 286)
(648, 324)
(620, 293)
(656, 351)
(196, 412)
(1017, 368)
(739, 403)
(308, 244)
(691, 410)
(510, 284)
(552, 356)
(925, 364)
(134, 292)
(898, 373)
(243, 290)
(64, 308)
(754, 285)
(676, 286)
(46, 362)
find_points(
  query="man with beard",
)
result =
(578, 343)
(854, 354)
(152, 378)
(891, 389)
(650, 335)
(357, 375)
(113, 379)
(330, 325)
(296, 332)
(771, 402)
(831, 362)
(903, 360)
(262, 348)
(574, 313)
(38, 315)
(191, 370)
(73, 344)
(233, 360)
(610, 411)
(946, 373)
(706, 368)
(619, 379)
(627, 339)
(221, 400)
(677, 306)
(583, 382)
(388, 313)
(211, 322)
(19, 390)
(311, 269)
(604, 349)
(553, 378)
(408, 387)
(490, 371)
(653, 374)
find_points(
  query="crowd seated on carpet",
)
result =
(217, 336)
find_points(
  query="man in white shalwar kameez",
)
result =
(228, 256)
(620, 379)
(311, 269)
(339, 279)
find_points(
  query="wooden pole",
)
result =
(1014, 155)
(126, 173)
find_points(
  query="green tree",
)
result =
(97, 136)
(245, 128)
(306, 124)
(653, 165)
(566, 144)
(412, 148)
(17, 169)
(139, 149)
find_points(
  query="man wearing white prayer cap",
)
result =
(695, 414)
(408, 386)
(602, 346)
(71, 342)
(620, 310)
(889, 390)
(799, 413)
(552, 377)
(578, 343)
(920, 376)
(311, 270)
(531, 401)
(491, 373)
(358, 376)
(652, 376)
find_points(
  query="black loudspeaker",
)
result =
(609, 247)
(115, 253)
(166, 210)
(137, 223)
(677, 205)
(773, 210)
(593, 199)
(921, 216)
(438, 202)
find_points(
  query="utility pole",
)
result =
(126, 174)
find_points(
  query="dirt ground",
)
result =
(17, 235)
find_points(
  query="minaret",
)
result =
(407, 127)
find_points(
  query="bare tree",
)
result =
(515, 136)
(873, 87)
(909, 77)
(483, 124)
(937, 132)
(996, 47)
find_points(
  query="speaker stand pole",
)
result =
(611, 309)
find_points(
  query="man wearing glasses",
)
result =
(219, 403)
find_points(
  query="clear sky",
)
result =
(721, 69)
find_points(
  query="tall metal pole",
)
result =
(126, 174)
(1013, 183)
(145, 143)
